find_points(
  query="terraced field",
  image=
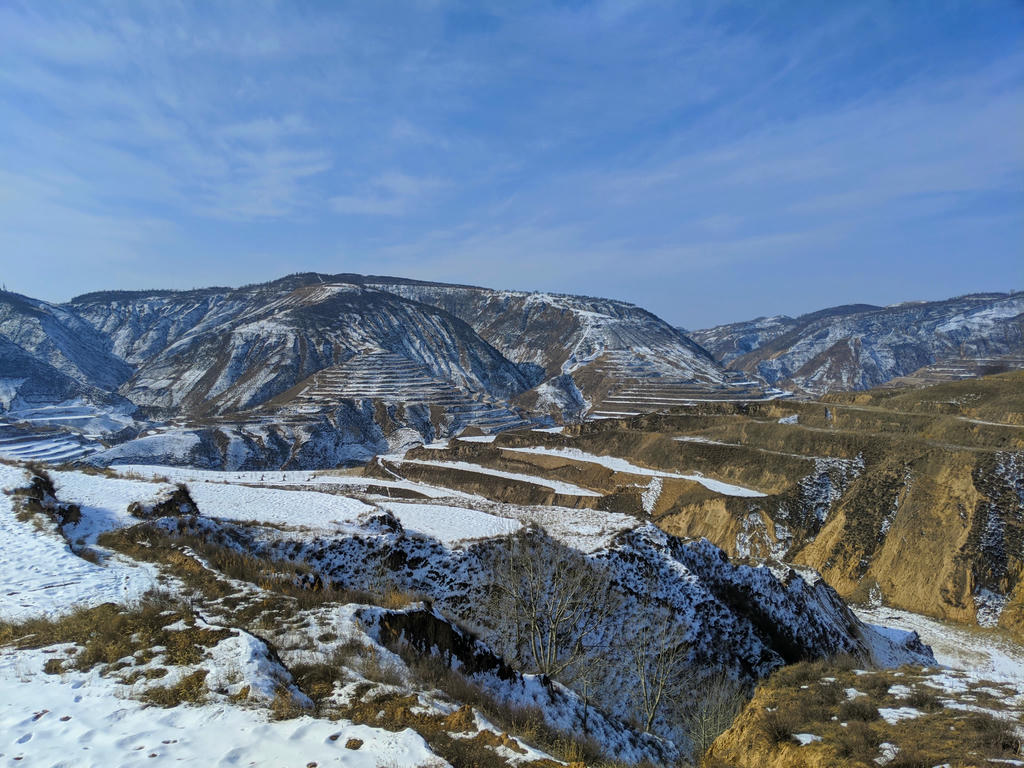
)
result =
(48, 445)
(909, 498)
(955, 370)
(395, 380)
(635, 385)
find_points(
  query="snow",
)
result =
(556, 485)
(177, 444)
(622, 465)
(450, 525)
(9, 390)
(104, 501)
(309, 509)
(40, 575)
(806, 738)
(893, 715)
(651, 494)
(78, 719)
(77, 414)
(887, 752)
(696, 439)
(587, 530)
(478, 439)
(298, 478)
(982, 656)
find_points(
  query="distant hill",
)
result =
(316, 370)
(861, 346)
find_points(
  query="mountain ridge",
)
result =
(342, 361)
(862, 346)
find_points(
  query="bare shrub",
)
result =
(716, 702)
(778, 725)
(860, 708)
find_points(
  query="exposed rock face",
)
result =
(861, 346)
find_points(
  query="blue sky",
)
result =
(710, 161)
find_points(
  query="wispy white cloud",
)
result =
(566, 147)
(390, 194)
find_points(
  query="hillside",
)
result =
(861, 346)
(319, 370)
(707, 550)
(913, 499)
(376, 608)
(49, 354)
(599, 356)
(213, 353)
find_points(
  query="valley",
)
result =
(426, 524)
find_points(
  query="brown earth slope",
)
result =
(913, 498)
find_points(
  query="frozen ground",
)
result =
(76, 719)
(307, 509)
(556, 485)
(982, 654)
(40, 575)
(79, 415)
(450, 525)
(298, 478)
(104, 501)
(621, 465)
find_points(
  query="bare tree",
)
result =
(551, 603)
(589, 676)
(659, 661)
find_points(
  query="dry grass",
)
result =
(117, 640)
(108, 632)
(798, 700)
(190, 689)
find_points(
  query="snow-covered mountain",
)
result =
(861, 346)
(313, 369)
(597, 355)
(224, 351)
(49, 354)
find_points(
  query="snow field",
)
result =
(78, 720)
(450, 525)
(41, 576)
(104, 501)
(981, 656)
(557, 486)
(327, 511)
(621, 465)
(307, 509)
(298, 478)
